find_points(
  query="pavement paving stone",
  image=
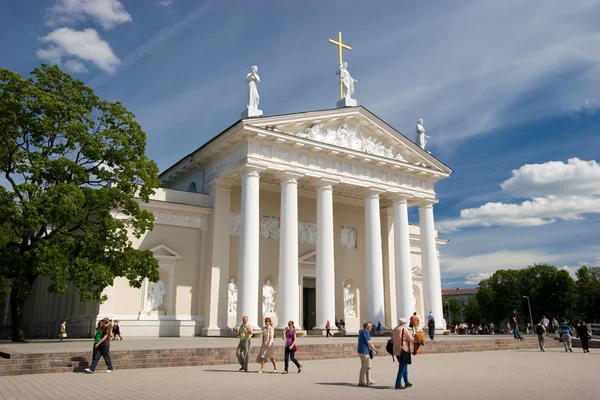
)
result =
(514, 374)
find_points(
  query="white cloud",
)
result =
(464, 69)
(558, 191)
(483, 265)
(85, 45)
(165, 3)
(108, 13)
(75, 66)
(474, 279)
(577, 177)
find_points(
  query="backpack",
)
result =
(539, 330)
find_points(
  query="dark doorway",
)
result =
(309, 305)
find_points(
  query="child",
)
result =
(116, 330)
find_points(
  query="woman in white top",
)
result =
(266, 349)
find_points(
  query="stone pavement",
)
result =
(517, 374)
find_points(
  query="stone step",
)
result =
(20, 364)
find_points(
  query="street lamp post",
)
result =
(449, 315)
(530, 315)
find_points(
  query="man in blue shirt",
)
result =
(364, 345)
(566, 332)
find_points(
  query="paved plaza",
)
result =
(520, 374)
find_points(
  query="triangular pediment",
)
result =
(164, 251)
(308, 258)
(416, 272)
(354, 129)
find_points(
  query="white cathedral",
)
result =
(299, 217)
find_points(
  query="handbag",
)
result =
(295, 347)
(405, 357)
(370, 354)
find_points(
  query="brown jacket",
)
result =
(397, 341)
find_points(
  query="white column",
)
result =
(289, 302)
(374, 260)
(432, 284)
(248, 251)
(404, 291)
(325, 292)
(214, 253)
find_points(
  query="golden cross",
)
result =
(341, 46)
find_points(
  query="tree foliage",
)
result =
(551, 291)
(455, 307)
(74, 165)
(587, 303)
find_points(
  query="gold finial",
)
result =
(341, 46)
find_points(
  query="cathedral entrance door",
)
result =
(309, 303)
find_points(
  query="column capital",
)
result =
(251, 171)
(327, 184)
(219, 184)
(372, 193)
(401, 197)
(289, 177)
(426, 203)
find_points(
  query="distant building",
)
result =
(462, 294)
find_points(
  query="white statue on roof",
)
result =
(252, 79)
(421, 137)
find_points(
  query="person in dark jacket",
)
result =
(584, 335)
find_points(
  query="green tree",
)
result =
(472, 311)
(76, 169)
(587, 298)
(454, 305)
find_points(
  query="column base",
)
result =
(217, 332)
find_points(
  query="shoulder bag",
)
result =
(405, 357)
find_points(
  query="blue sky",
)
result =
(509, 92)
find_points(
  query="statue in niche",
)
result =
(347, 80)
(348, 301)
(232, 294)
(268, 298)
(421, 138)
(252, 79)
(156, 291)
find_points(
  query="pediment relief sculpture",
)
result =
(349, 137)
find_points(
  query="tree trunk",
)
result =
(16, 314)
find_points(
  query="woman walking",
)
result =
(401, 339)
(290, 346)
(266, 349)
(584, 335)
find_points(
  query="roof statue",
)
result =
(252, 79)
(346, 80)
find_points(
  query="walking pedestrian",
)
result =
(365, 352)
(116, 330)
(101, 347)
(566, 332)
(328, 328)
(546, 323)
(290, 347)
(541, 334)
(492, 328)
(414, 323)
(515, 325)
(267, 350)
(584, 335)
(554, 325)
(431, 325)
(243, 349)
(401, 339)
(63, 331)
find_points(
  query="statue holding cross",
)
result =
(346, 80)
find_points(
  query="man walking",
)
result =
(515, 325)
(414, 323)
(101, 347)
(243, 349)
(541, 334)
(566, 332)
(364, 347)
(431, 325)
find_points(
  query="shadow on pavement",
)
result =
(352, 385)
